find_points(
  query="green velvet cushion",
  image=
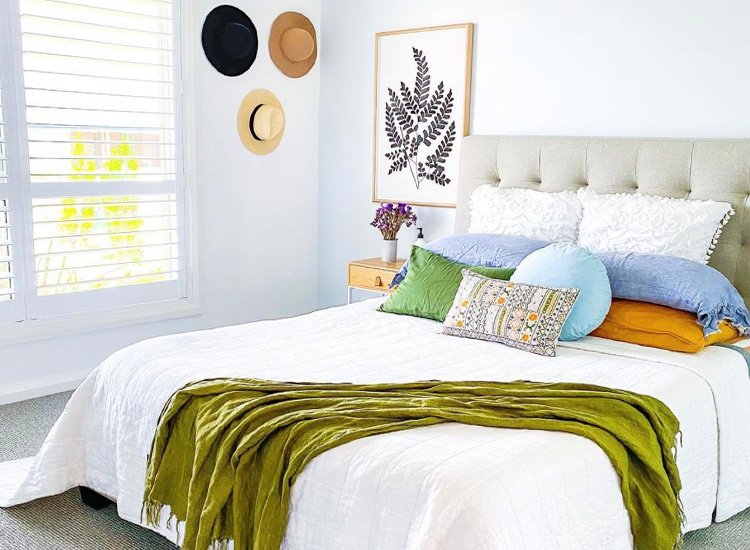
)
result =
(431, 284)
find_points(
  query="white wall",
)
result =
(580, 67)
(667, 68)
(258, 215)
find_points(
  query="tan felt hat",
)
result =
(293, 44)
(260, 122)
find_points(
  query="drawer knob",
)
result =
(378, 281)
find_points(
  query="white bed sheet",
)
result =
(447, 487)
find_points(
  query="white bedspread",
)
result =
(448, 487)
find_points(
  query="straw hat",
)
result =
(293, 44)
(260, 122)
(230, 40)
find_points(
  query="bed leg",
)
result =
(92, 499)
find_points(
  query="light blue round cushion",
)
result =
(567, 265)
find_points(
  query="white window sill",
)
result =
(43, 329)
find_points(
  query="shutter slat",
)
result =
(112, 203)
(95, 42)
(97, 59)
(115, 249)
(94, 25)
(100, 142)
(99, 76)
(167, 260)
(99, 94)
(108, 188)
(90, 110)
(106, 220)
(105, 234)
(73, 127)
(109, 10)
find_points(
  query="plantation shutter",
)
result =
(105, 182)
(9, 298)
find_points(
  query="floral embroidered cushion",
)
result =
(526, 317)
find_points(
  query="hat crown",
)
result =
(237, 40)
(267, 122)
(297, 45)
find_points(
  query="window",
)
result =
(92, 208)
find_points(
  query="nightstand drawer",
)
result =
(370, 278)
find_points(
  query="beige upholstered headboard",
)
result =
(705, 169)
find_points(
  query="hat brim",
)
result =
(212, 40)
(248, 106)
(285, 21)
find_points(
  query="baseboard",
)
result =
(21, 391)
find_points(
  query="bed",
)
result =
(449, 486)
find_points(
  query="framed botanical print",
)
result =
(422, 103)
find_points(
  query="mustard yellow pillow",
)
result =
(659, 327)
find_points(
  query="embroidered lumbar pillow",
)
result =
(526, 317)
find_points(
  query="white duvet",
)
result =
(448, 487)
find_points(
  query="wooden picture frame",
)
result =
(412, 144)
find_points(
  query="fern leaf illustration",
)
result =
(409, 101)
(439, 121)
(398, 164)
(432, 107)
(422, 82)
(405, 120)
(390, 129)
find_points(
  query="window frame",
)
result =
(29, 326)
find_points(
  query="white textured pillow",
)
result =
(651, 225)
(552, 217)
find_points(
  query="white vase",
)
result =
(390, 249)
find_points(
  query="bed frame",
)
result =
(704, 169)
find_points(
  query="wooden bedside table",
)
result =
(372, 274)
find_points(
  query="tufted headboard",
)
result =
(705, 169)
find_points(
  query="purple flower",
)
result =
(390, 218)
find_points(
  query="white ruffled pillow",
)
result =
(551, 217)
(626, 222)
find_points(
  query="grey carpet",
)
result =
(63, 523)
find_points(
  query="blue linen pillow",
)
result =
(678, 283)
(564, 265)
(479, 249)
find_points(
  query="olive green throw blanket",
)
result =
(227, 451)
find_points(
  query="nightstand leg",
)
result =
(349, 295)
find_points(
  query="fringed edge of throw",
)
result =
(152, 511)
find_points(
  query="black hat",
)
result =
(230, 40)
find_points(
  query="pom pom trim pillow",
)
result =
(552, 217)
(626, 222)
(525, 317)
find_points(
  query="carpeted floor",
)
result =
(63, 523)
